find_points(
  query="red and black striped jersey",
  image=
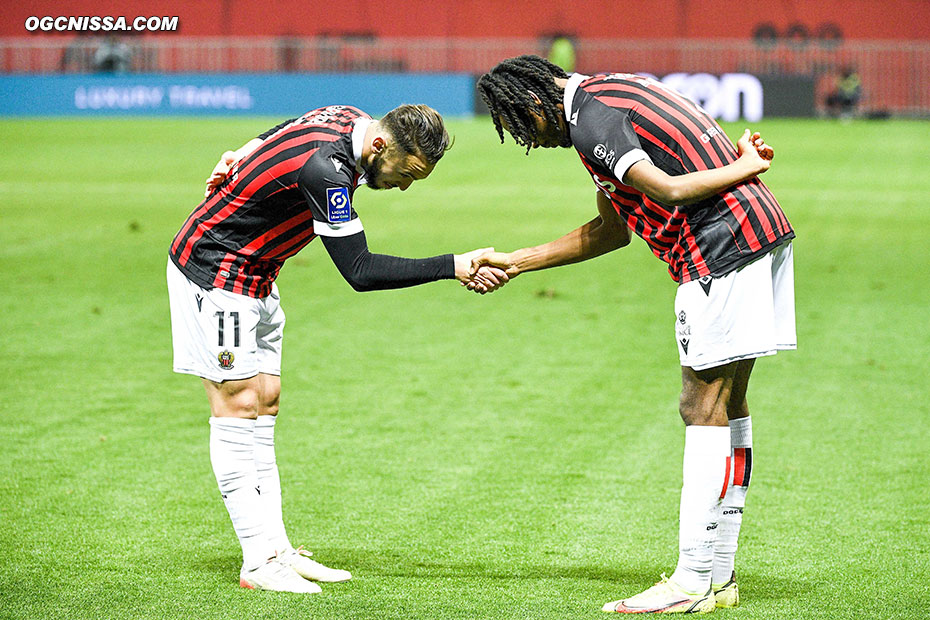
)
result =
(297, 184)
(618, 119)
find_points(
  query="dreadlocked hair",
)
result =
(506, 90)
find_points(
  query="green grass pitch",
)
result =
(509, 456)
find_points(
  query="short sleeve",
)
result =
(606, 135)
(328, 186)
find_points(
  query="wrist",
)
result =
(751, 166)
(519, 262)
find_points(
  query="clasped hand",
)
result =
(484, 270)
(478, 275)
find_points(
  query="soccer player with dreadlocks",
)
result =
(665, 170)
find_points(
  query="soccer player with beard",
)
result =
(665, 170)
(263, 204)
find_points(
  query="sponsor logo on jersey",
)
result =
(604, 184)
(608, 157)
(226, 359)
(199, 299)
(682, 317)
(336, 163)
(338, 207)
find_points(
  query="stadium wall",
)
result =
(241, 94)
(632, 19)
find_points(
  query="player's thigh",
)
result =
(737, 405)
(270, 394)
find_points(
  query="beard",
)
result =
(373, 176)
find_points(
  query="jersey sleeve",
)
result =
(328, 185)
(606, 135)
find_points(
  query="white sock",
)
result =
(704, 473)
(731, 509)
(269, 482)
(231, 456)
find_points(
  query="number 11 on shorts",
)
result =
(221, 325)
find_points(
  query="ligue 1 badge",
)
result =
(226, 359)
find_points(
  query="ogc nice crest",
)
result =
(226, 359)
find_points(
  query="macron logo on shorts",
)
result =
(338, 207)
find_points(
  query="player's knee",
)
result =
(236, 400)
(737, 410)
(269, 403)
(695, 412)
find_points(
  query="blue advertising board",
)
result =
(231, 94)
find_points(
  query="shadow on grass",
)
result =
(369, 564)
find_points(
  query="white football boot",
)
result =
(299, 560)
(278, 577)
(664, 598)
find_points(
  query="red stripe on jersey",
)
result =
(740, 214)
(259, 157)
(745, 189)
(780, 220)
(726, 480)
(291, 246)
(643, 133)
(239, 282)
(203, 207)
(657, 119)
(739, 466)
(250, 162)
(275, 172)
(653, 215)
(225, 266)
(678, 113)
(270, 235)
(694, 257)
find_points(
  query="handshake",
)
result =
(484, 270)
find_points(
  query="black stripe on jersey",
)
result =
(263, 192)
(694, 115)
(296, 132)
(661, 133)
(745, 195)
(221, 200)
(261, 159)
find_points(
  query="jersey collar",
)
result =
(573, 82)
(358, 138)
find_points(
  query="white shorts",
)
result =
(745, 314)
(219, 335)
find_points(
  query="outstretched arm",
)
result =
(366, 271)
(755, 157)
(603, 234)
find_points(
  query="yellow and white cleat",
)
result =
(275, 576)
(299, 560)
(664, 598)
(727, 595)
